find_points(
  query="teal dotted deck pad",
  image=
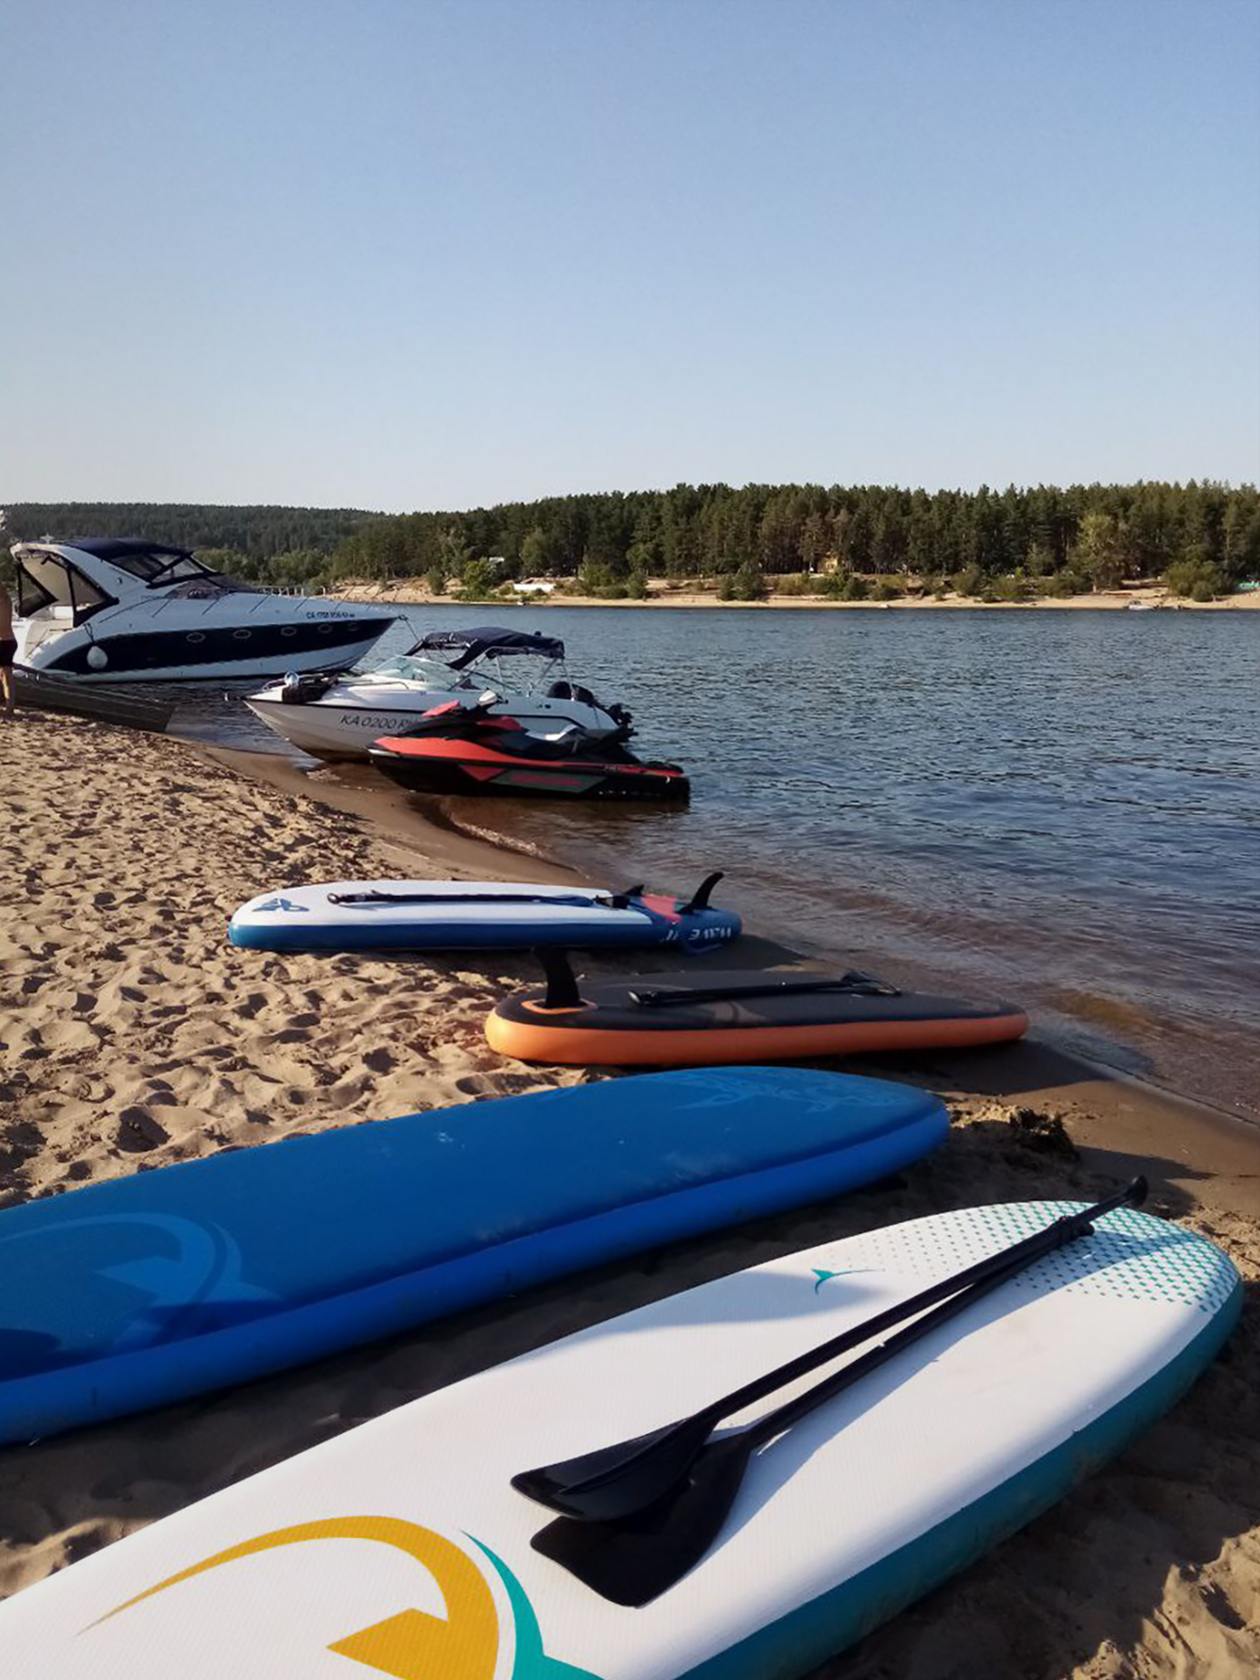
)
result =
(1131, 1255)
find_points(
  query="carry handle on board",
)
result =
(639, 1515)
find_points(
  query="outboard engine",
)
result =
(299, 688)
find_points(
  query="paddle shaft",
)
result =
(859, 985)
(586, 902)
(634, 1559)
(970, 1283)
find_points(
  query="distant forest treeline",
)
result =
(1202, 536)
(259, 532)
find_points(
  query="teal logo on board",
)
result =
(822, 1275)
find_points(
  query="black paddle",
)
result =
(592, 900)
(852, 983)
(615, 1482)
(666, 1488)
(633, 1561)
(375, 897)
(587, 901)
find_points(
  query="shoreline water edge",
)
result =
(135, 1036)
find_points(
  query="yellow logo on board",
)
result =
(411, 1645)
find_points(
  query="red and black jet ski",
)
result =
(463, 749)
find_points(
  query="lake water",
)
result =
(1061, 807)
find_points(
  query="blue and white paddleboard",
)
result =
(154, 1288)
(401, 1548)
(473, 915)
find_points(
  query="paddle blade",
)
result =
(618, 1481)
(635, 1561)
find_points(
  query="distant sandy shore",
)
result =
(415, 592)
(133, 1035)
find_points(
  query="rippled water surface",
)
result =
(1060, 806)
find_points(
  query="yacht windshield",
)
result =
(172, 568)
(161, 566)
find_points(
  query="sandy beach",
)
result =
(666, 592)
(132, 1035)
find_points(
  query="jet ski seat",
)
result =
(562, 690)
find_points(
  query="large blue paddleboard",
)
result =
(150, 1289)
(475, 916)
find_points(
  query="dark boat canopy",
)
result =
(476, 644)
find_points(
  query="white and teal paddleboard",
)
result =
(402, 1549)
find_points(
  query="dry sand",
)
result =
(665, 593)
(132, 1035)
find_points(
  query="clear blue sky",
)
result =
(413, 254)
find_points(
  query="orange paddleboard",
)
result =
(671, 1020)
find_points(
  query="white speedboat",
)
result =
(119, 609)
(341, 718)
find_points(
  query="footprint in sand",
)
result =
(496, 1084)
(138, 1131)
(1220, 1608)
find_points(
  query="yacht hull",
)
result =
(192, 654)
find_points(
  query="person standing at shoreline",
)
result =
(8, 647)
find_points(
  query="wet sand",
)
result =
(133, 1035)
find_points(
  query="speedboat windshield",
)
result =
(410, 667)
(468, 646)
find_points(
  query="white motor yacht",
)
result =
(120, 609)
(341, 718)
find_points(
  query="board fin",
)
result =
(700, 898)
(562, 986)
